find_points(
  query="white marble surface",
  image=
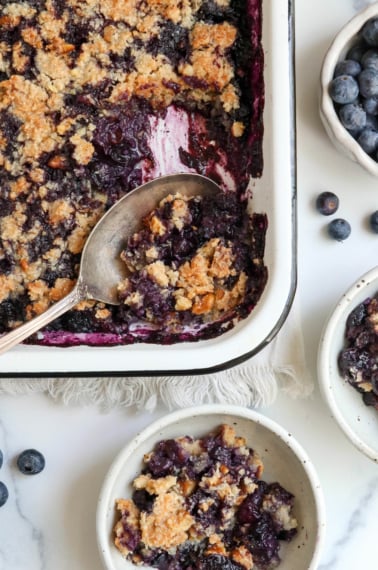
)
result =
(48, 521)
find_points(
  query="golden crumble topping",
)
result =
(155, 486)
(168, 524)
(130, 514)
(242, 556)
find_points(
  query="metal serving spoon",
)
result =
(101, 268)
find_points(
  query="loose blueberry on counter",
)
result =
(1, 458)
(31, 462)
(344, 89)
(339, 229)
(327, 203)
(3, 494)
(374, 221)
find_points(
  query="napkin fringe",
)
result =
(244, 385)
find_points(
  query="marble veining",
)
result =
(352, 524)
(13, 515)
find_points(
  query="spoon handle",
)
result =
(20, 333)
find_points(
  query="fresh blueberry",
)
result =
(371, 122)
(339, 229)
(3, 494)
(353, 117)
(344, 89)
(1, 458)
(357, 51)
(368, 140)
(368, 82)
(31, 462)
(370, 105)
(355, 133)
(347, 67)
(370, 59)
(374, 221)
(370, 32)
(327, 203)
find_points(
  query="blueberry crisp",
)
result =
(202, 504)
(193, 262)
(358, 360)
(97, 97)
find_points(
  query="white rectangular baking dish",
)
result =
(274, 194)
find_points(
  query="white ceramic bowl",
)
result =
(358, 421)
(337, 51)
(284, 460)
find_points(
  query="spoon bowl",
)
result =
(101, 268)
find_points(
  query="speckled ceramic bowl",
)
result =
(284, 459)
(358, 421)
(337, 51)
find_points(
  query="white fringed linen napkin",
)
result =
(281, 365)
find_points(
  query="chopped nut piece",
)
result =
(243, 557)
(57, 162)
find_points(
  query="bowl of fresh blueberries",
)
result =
(349, 89)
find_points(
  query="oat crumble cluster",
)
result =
(193, 261)
(202, 504)
(79, 80)
(358, 360)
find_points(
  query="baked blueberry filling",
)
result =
(193, 261)
(83, 87)
(358, 360)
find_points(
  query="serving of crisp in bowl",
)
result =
(349, 89)
(348, 364)
(215, 487)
